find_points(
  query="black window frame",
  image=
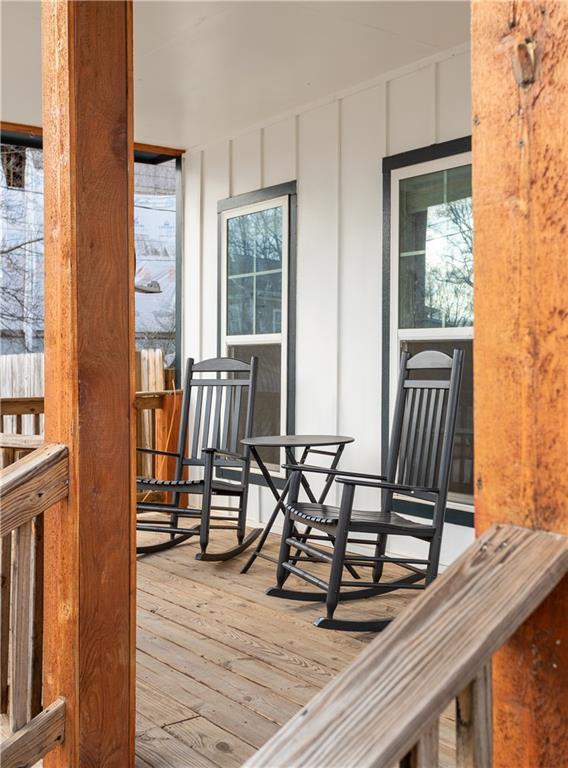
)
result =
(287, 189)
(390, 163)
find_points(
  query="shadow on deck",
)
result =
(221, 666)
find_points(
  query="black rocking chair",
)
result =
(216, 411)
(418, 466)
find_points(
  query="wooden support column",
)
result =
(89, 388)
(520, 187)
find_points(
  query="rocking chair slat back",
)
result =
(425, 415)
(212, 407)
(207, 419)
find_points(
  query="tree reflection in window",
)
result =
(436, 250)
(254, 273)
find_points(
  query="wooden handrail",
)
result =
(38, 737)
(384, 707)
(20, 442)
(22, 406)
(33, 484)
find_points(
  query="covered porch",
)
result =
(220, 667)
(306, 196)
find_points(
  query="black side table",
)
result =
(311, 444)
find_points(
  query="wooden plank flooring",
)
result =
(221, 666)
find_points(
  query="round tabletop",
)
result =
(296, 441)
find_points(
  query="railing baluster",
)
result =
(37, 620)
(424, 754)
(473, 723)
(22, 597)
(6, 579)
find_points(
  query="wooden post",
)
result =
(520, 190)
(167, 431)
(89, 299)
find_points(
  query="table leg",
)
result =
(280, 499)
(279, 507)
(323, 496)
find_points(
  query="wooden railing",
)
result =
(385, 707)
(157, 426)
(33, 477)
(28, 488)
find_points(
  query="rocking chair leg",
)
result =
(284, 555)
(380, 548)
(241, 529)
(206, 504)
(340, 546)
(434, 559)
(173, 524)
(204, 530)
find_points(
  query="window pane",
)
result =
(240, 295)
(268, 239)
(269, 303)
(254, 252)
(21, 235)
(461, 481)
(268, 390)
(240, 245)
(436, 250)
(21, 246)
(155, 244)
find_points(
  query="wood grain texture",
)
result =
(5, 589)
(36, 698)
(425, 752)
(32, 485)
(474, 742)
(167, 430)
(89, 283)
(21, 442)
(36, 130)
(35, 739)
(21, 628)
(366, 716)
(18, 406)
(195, 617)
(520, 194)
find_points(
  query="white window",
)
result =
(432, 283)
(254, 280)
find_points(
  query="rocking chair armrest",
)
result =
(335, 472)
(406, 489)
(159, 453)
(227, 454)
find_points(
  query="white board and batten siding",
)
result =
(334, 151)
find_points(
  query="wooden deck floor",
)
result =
(221, 666)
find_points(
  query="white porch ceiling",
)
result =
(204, 70)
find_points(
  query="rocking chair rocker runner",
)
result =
(211, 423)
(418, 466)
